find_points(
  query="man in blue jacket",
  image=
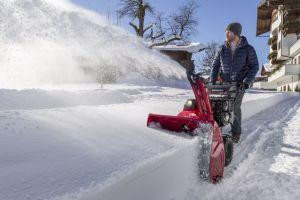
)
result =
(236, 61)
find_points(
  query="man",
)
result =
(236, 61)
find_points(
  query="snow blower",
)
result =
(203, 117)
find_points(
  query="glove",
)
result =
(245, 86)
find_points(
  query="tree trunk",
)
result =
(141, 21)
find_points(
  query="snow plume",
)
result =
(57, 42)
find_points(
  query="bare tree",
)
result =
(207, 57)
(157, 29)
(184, 23)
(136, 9)
(179, 26)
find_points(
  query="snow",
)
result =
(191, 48)
(59, 150)
(96, 145)
(287, 161)
(252, 175)
(47, 42)
(63, 137)
(268, 67)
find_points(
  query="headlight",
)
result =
(189, 103)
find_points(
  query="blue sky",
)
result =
(214, 15)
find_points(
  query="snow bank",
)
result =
(56, 42)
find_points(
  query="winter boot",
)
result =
(236, 137)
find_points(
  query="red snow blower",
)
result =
(202, 117)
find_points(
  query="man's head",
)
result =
(233, 32)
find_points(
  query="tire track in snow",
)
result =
(249, 175)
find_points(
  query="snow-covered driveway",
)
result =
(93, 144)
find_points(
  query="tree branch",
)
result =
(146, 29)
(135, 27)
(158, 36)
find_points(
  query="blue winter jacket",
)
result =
(240, 67)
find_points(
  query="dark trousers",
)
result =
(236, 124)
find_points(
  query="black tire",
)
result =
(228, 144)
(218, 179)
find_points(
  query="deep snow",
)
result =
(69, 142)
(100, 148)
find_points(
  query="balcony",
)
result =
(265, 15)
(284, 45)
(295, 49)
(289, 27)
(284, 72)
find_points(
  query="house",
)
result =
(281, 18)
(261, 81)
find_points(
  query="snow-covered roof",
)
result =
(191, 48)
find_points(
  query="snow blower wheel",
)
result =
(228, 144)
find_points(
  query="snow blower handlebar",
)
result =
(193, 77)
(202, 99)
